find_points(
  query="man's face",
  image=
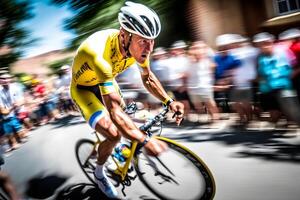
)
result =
(266, 47)
(198, 49)
(4, 83)
(140, 48)
(177, 51)
(223, 50)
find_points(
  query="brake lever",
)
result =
(176, 113)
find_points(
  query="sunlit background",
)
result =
(38, 41)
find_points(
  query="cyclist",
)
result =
(94, 90)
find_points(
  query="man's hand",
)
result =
(4, 111)
(154, 147)
(177, 107)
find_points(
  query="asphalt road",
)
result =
(247, 165)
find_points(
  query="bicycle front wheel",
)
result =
(86, 157)
(176, 174)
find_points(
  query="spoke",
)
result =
(158, 172)
(157, 158)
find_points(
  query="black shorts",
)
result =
(269, 101)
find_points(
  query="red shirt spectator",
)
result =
(295, 48)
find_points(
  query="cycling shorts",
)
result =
(89, 101)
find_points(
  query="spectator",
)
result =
(22, 111)
(40, 94)
(243, 77)
(226, 65)
(274, 75)
(159, 66)
(177, 66)
(62, 84)
(292, 40)
(200, 78)
(9, 96)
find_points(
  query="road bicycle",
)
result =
(177, 173)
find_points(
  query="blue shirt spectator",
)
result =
(274, 71)
(224, 63)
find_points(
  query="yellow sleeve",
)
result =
(104, 73)
(97, 48)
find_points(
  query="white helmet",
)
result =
(139, 19)
(289, 34)
(263, 37)
(225, 39)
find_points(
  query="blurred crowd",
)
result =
(257, 78)
(35, 102)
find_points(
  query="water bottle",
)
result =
(122, 152)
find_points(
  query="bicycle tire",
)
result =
(194, 162)
(89, 168)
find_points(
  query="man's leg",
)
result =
(8, 133)
(98, 118)
(106, 127)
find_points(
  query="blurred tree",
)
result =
(13, 37)
(92, 16)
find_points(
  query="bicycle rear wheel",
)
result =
(176, 174)
(86, 157)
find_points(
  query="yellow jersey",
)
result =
(97, 62)
(99, 59)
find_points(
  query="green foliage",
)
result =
(92, 16)
(13, 37)
(56, 65)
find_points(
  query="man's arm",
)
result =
(113, 102)
(128, 128)
(3, 110)
(153, 85)
(120, 118)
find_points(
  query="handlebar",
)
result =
(158, 118)
(132, 108)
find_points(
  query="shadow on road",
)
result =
(67, 121)
(41, 187)
(268, 145)
(80, 191)
(186, 124)
(86, 191)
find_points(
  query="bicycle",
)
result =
(176, 174)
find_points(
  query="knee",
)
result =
(109, 131)
(113, 136)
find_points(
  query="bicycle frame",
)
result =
(121, 169)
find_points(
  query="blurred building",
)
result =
(208, 19)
